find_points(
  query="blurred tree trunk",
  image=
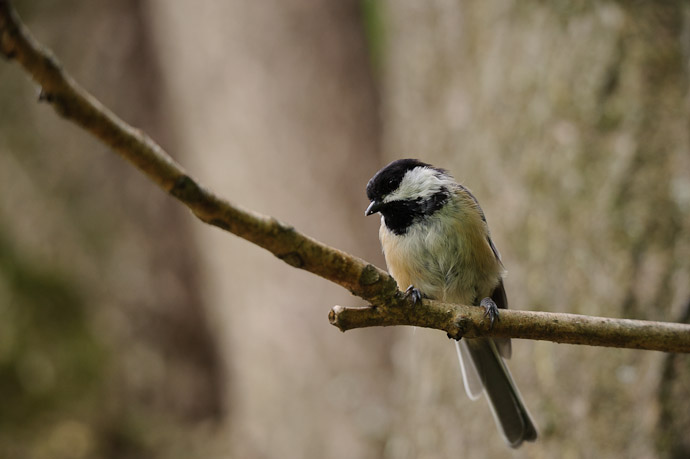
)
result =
(105, 350)
(276, 105)
(569, 120)
(271, 104)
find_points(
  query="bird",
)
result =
(437, 245)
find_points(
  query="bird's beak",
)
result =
(374, 207)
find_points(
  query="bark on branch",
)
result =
(468, 321)
(388, 306)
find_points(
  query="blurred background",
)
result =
(128, 329)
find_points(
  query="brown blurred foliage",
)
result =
(128, 329)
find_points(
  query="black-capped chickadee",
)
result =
(436, 241)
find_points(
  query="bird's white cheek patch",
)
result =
(419, 183)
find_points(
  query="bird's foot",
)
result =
(413, 293)
(490, 310)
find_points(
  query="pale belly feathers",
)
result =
(445, 261)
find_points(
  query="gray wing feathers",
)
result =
(505, 401)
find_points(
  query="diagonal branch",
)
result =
(387, 307)
(74, 103)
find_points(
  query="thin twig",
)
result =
(388, 305)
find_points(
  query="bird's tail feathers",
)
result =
(482, 366)
(470, 377)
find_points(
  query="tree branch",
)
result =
(74, 103)
(468, 321)
(388, 305)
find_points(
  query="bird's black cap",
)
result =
(388, 179)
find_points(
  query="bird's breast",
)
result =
(447, 258)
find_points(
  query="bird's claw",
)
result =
(413, 293)
(490, 311)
